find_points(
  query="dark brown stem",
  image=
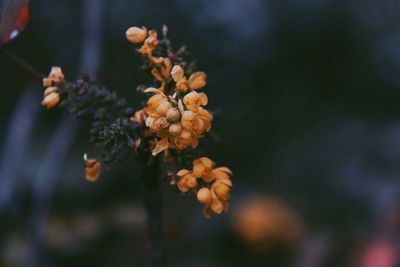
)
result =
(22, 63)
(153, 204)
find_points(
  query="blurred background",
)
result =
(308, 98)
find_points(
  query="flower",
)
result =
(178, 125)
(150, 43)
(136, 35)
(51, 96)
(216, 194)
(177, 73)
(55, 76)
(202, 167)
(92, 170)
(260, 219)
(194, 100)
(196, 80)
(186, 181)
(51, 100)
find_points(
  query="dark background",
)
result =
(308, 94)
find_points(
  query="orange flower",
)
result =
(93, 169)
(260, 219)
(194, 100)
(136, 35)
(55, 76)
(202, 167)
(196, 81)
(186, 180)
(51, 100)
(177, 73)
(150, 43)
(51, 97)
(204, 196)
(215, 197)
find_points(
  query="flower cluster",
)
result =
(51, 95)
(178, 124)
(172, 121)
(175, 112)
(214, 192)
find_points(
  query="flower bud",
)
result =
(173, 114)
(197, 80)
(217, 207)
(163, 108)
(163, 122)
(177, 73)
(136, 35)
(204, 195)
(175, 128)
(93, 168)
(51, 100)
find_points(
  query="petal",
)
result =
(177, 73)
(152, 90)
(206, 214)
(195, 142)
(161, 146)
(225, 181)
(217, 207)
(182, 172)
(203, 99)
(224, 169)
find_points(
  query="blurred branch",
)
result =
(63, 136)
(16, 143)
(153, 203)
(45, 182)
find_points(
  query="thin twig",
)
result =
(22, 63)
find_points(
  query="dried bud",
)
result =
(93, 168)
(175, 128)
(50, 90)
(197, 80)
(204, 195)
(177, 73)
(163, 108)
(162, 123)
(51, 100)
(173, 114)
(136, 35)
